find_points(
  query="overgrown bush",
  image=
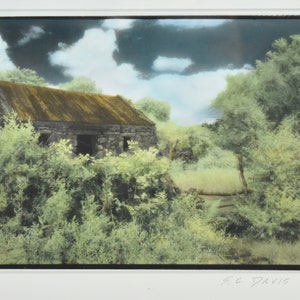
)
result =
(156, 110)
(272, 209)
(57, 208)
(260, 123)
(184, 142)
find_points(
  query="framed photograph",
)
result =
(147, 144)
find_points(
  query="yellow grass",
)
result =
(266, 252)
(277, 252)
(210, 181)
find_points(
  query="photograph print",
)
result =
(154, 141)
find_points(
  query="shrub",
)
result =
(272, 210)
(65, 209)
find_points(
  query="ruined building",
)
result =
(93, 123)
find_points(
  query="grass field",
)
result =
(272, 252)
(208, 181)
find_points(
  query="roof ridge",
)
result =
(53, 88)
(51, 104)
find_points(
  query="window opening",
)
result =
(44, 139)
(126, 139)
(86, 144)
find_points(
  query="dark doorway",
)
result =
(86, 144)
(126, 139)
(44, 139)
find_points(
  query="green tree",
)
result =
(81, 84)
(260, 122)
(25, 76)
(154, 109)
(175, 138)
(271, 92)
(279, 80)
(273, 207)
(242, 121)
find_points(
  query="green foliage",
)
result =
(276, 160)
(187, 238)
(274, 251)
(188, 142)
(56, 207)
(132, 182)
(156, 110)
(196, 139)
(81, 84)
(270, 93)
(260, 121)
(275, 173)
(278, 77)
(17, 148)
(12, 249)
(273, 207)
(26, 76)
(218, 158)
(65, 209)
(136, 176)
(242, 118)
(211, 180)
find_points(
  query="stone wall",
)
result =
(106, 137)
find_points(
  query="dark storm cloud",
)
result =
(233, 43)
(31, 39)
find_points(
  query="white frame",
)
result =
(148, 284)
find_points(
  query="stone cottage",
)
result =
(93, 123)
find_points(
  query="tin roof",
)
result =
(48, 104)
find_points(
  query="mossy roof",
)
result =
(49, 104)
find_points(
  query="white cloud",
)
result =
(190, 96)
(5, 62)
(117, 24)
(92, 57)
(171, 64)
(191, 23)
(34, 33)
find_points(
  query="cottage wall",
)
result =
(111, 138)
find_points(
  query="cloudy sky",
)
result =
(182, 61)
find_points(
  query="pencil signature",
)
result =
(255, 281)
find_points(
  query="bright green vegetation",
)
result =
(215, 173)
(154, 109)
(260, 120)
(222, 193)
(81, 84)
(209, 181)
(270, 252)
(25, 76)
(59, 208)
